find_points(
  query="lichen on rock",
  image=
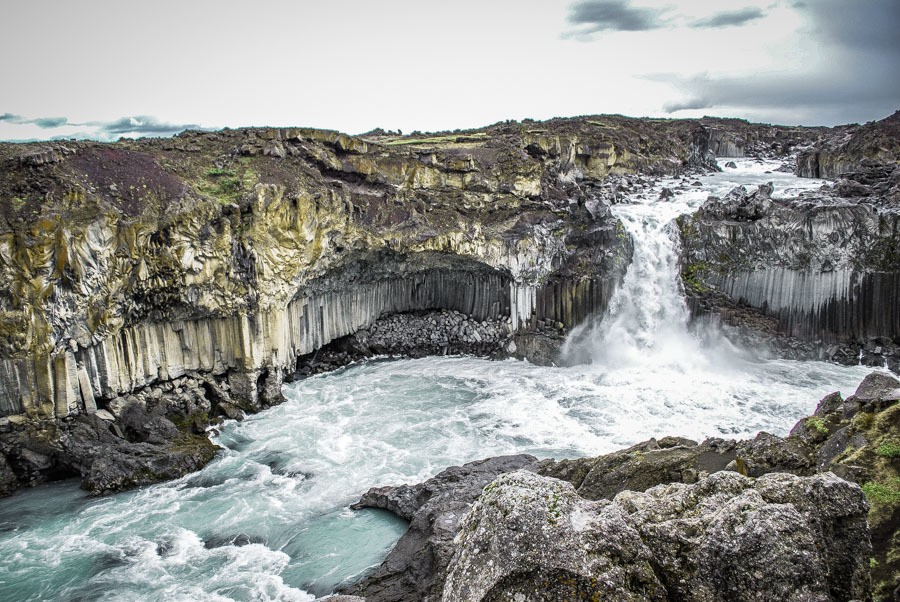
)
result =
(724, 537)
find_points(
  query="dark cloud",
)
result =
(852, 80)
(820, 97)
(49, 122)
(731, 18)
(613, 15)
(41, 122)
(686, 105)
(141, 125)
(861, 25)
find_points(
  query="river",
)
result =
(268, 519)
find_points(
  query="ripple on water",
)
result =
(268, 518)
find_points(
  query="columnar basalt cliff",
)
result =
(188, 277)
(219, 259)
(823, 268)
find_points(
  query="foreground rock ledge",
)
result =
(726, 537)
(667, 519)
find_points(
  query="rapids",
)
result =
(268, 519)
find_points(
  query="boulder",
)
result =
(727, 537)
(413, 571)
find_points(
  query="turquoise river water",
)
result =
(268, 519)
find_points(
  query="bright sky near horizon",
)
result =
(110, 68)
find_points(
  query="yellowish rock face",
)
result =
(138, 260)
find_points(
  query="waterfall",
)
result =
(646, 323)
(647, 319)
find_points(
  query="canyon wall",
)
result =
(233, 253)
(847, 149)
(212, 264)
(823, 268)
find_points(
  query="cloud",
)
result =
(613, 15)
(861, 25)
(140, 125)
(849, 78)
(620, 15)
(61, 127)
(859, 97)
(42, 122)
(49, 122)
(731, 18)
(685, 105)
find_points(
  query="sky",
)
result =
(109, 68)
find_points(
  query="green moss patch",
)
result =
(882, 494)
(889, 449)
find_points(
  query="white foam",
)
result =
(287, 475)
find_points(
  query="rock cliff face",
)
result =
(713, 540)
(223, 260)
(847, 149)
(823, 267)
(739, 138)
(235, 252)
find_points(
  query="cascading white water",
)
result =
(646, 323)
(647, 318)
(268, 519)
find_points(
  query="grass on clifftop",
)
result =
(226, 185)
(436, 140)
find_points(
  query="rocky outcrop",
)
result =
(414, 568)
(856, 439)
(556, 532)
(533, 537)
(849, 149)
(154, 434)
(823, 268)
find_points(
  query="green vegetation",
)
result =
(451, 139)
(814, 423)
(227, 184)
(889, 449)
(881, 494)
(690, 276)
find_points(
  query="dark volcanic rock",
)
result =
(848, 148)
(739, 205)
(715, 515)
(413, 570)
(136, 442)
(107, 463)
(816, 275)
(532, 537)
